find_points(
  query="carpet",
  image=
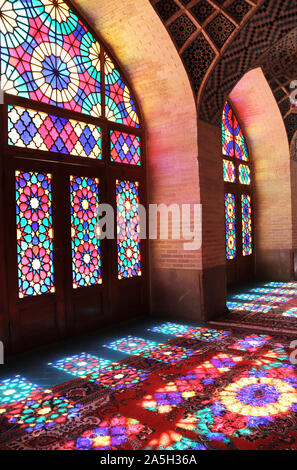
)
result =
(207, 389)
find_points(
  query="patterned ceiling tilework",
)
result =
(181, 29)
(166, 9)
(219, 29)
(202, 10)
(291, 125)
(197, 57)
(279, 64)
(238, 9)
(271, 22)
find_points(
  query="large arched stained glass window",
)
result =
(73, 136)
(238, 184)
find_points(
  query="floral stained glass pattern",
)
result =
(41, 131)
(230, 217)
(48, 55)
(125, 148)
(86, 252)
(118, 377)
(229, 171)
(246, 212)
(244, 175)
(119, 104)
(129, 257)
(131, 345)
(34, 233)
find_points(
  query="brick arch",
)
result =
(256, 108)
(139, 41)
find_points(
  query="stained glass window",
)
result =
(34, 233)
(129, 258)
(227, 131)
(244, 175)
(229, 171)
(119, 105)
(239, 173)
(246, 212)
(41, 131)
(230, 214)
(86, 254)
(48, 55)
(124, 148)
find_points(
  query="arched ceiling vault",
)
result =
(220, 40)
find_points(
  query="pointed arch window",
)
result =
(237, 175)
(72, 134)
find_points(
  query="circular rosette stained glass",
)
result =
(259, 397)
(86, 253)
(34, 233)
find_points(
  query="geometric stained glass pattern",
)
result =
(229, 171)
(227, 131)
(119, 105)
(109, 435)
(246, 212)
(86, 252)
(239, 142)
(230, 217)
(41, 411)
(118, 377)
(41, 131)
(48, 55)
(34, 233)
(128, 239)
(244, 174)
(81, 364)
(16, 389)
(125, 148)
(131, 345)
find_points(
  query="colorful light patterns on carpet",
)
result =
(41, 411)
(16, 389)
(246, 213)
(175, 393)
(81, 364)
(109, 435)
(86, 251)
(175, 329)
(118, 377)
(229, 171)
(230, 219)
(131, 345)
(291, 313)
(180, 443)
(119, 104)
(40, 131)
(34, 233)
(237, 307)
(244, 175)
(251, 343)
(168, 354)
(125, 148)
(208, 334)
(128, 239)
